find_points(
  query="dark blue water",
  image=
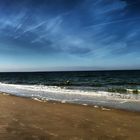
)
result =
(94, 79)
(109, 88)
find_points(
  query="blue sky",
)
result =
(41, 35)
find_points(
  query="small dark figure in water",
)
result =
(67, 82)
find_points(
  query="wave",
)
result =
(74, 82)
(74, 95)
(124, 90)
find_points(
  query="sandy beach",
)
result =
(26, 119)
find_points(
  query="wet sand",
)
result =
(26, 119)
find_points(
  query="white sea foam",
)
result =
(36, 99)
(132, 91)
(41, 92)
(105, 109)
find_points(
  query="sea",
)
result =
(112, 89)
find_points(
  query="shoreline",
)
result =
(71, 103)
(24, 118)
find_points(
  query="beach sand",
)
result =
(26, 119)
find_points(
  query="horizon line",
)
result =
(35, 71)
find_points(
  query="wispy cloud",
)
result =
(82, 29)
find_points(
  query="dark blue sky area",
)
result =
(69, 35)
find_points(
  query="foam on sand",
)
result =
(102, 98)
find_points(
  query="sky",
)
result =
(53, 35)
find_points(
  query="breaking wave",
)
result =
(130, 100)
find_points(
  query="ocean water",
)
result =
(117, 89)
